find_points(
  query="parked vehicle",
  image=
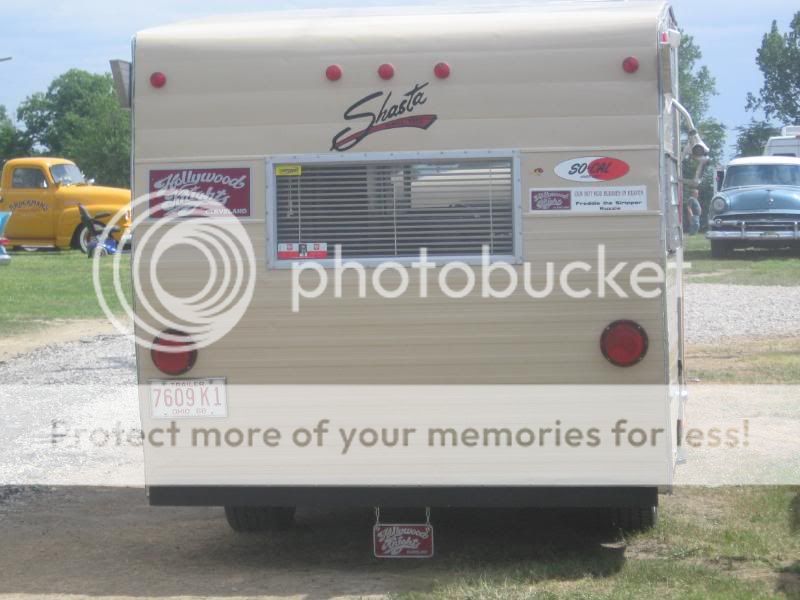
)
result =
(756, 204)
(43, 195)
(786, 144)
(538, 132)
(97, 242)
(4, 256)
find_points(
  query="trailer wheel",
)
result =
(721, 249)
(635, 518)
(250, 519)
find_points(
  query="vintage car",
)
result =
(757, 203)
(4, 257)
(43, 195)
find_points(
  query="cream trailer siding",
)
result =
(539, 85)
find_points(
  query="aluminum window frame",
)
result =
(271, 221)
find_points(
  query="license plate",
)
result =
(402, 541)
(188, 398)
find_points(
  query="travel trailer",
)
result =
(531, 136)
(786, 144)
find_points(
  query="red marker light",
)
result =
(631, 64)
(624, 343)
(333, 73)
(386, 71)
(442, 70)
(158, 79)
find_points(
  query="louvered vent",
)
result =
(393, 209)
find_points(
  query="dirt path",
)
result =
(79, 542)
(56, 332)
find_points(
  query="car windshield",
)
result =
(67, 175)
(747, 175)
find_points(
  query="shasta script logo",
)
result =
(387, 115)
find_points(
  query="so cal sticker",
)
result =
(592, 169)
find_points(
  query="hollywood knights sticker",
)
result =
(553, 200)
(175, 191)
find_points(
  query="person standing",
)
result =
(695, 211)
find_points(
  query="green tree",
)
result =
(753, 138)
(13, 142)
(779, 61)
(697, 87)
(79, 118)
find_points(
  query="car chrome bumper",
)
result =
(4, 259)
(790, 233)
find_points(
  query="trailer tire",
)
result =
(635, 518)
(721, 249)
(253, 519)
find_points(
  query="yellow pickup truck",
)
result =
(43, 195)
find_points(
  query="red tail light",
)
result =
(624, 343)
(173, 356)
(3, 241)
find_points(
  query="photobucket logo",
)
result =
(168, 244)
(645, 280)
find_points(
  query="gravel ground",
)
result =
(718, 313)
(70, 414)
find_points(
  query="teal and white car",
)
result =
(4, 257)
(756, 204)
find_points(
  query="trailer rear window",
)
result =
(394, 209)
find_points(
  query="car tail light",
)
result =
(172, 353)
(3, 241)
(624, 343)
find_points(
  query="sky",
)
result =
(47, 39)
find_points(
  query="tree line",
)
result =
(78, 117)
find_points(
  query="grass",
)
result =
(763, 362)
(40, 287)
(745, 267)
(724, 543)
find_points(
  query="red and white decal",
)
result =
(592, 169)
(403, 541)
(302, 250)
(177, 192)
(546, 200)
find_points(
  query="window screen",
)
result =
(393, 209)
